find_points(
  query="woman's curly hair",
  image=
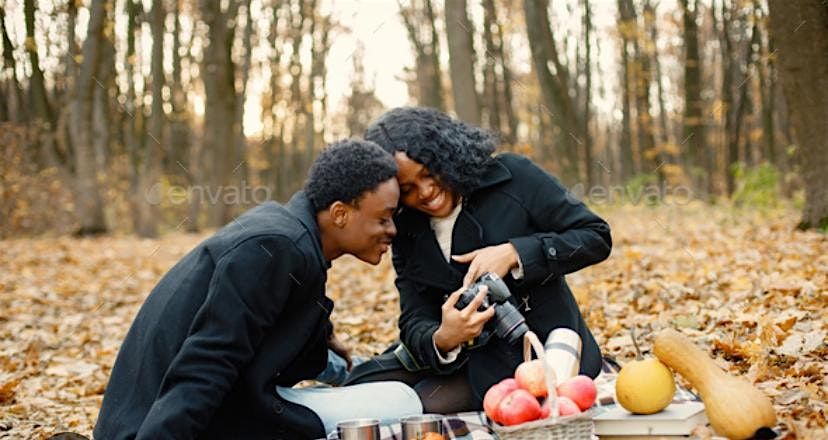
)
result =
(456, 152)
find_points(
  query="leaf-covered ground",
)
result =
(744, 285)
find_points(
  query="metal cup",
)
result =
(416, 427)
(358, 429)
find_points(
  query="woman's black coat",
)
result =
(553, 233)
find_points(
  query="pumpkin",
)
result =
(735, 408)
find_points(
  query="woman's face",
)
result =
(421, 190)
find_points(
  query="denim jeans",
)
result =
(337, 369)
(385, 401)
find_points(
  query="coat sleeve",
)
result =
(420, 315)
(247, 293)
(570, 236)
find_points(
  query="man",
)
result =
(246, 311)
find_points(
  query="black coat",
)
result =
(553, 233)
(241, 313)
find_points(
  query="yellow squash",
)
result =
(735, 408)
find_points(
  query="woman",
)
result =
(464, 213)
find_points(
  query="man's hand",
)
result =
(458, 326)
(340, 348)
(498, 259)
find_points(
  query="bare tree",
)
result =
(587, 104)
(38, 101)
(420, 23)
(219, 109)
(13, 106)
(88, 202)
(240, 174)
(693, 122)
(147, 225)
(767, 84)
(627, 25)
(460, 36)
(554, 84)
(363, 105)
(496, 103)
(799, 30)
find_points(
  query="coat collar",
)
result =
(427, 264)
(497, 173)
(301, 207)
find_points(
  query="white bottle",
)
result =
(563, 353)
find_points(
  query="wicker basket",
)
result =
(578, 426)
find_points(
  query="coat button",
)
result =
(278, 408)
(552, 252)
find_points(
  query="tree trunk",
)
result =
(664, 155)
(15, 108)
(38, 101)
(240, 174)
(427, 51)
(460, 37)
(742, 104)
(219, 108)
(132, 141)
(507, 101)
(693, 123)
(555, 87)
(151, 164)
(627, 24)
(585, 135)
(178, 147)
(436, 88)
(490, 107)
(105, 82)
(730, 148)
(799, 31)
(88, 203)
(646, 131)
(764, 68)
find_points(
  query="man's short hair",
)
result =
(345, 170)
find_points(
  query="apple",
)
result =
(518, 407)
(529, 376)
(546, 409)
(581, 389)
(495, 395)
(566, 407)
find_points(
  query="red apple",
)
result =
(581, 389)
(495, 395)
(545, 410)
(566, 407)
(529, 376)
(518, 407)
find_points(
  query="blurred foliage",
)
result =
(32, 201)
(756, 187)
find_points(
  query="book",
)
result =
(677, 419)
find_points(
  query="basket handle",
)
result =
(532, 343)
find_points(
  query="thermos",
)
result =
(563, 353)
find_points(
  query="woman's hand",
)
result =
(340, 348)
(498, 259)
(458, 326)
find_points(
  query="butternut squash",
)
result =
(736, 409)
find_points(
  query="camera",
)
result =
(509, 324)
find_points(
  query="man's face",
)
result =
(370, 226)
